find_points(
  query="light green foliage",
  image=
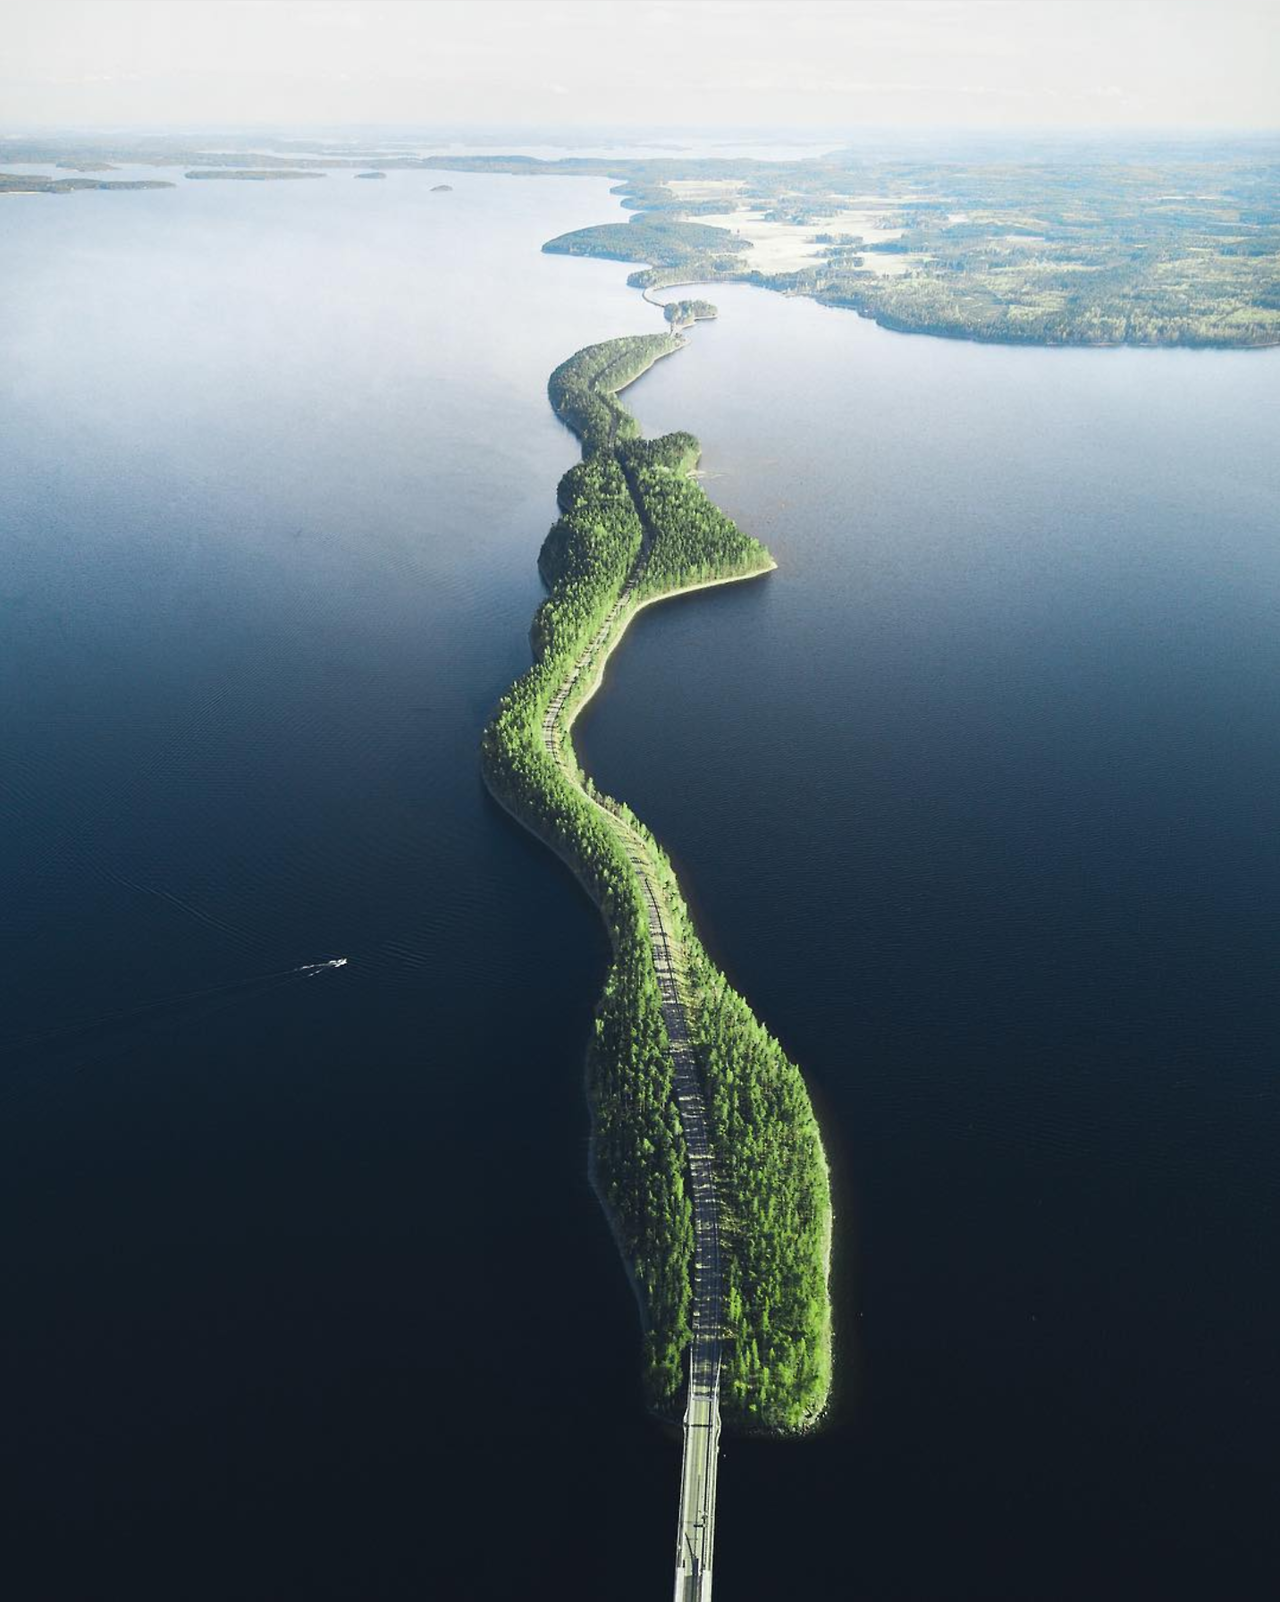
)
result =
(777, 1211)
(775, 1204)
(646, 237)
(692, 541)
(694, 269)
(639, 1145)
(680, 313)
(630, 497)
(582, 388)
(1141, 241)
(25, 183)
(1127, 239)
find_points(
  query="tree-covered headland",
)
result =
(635, 528)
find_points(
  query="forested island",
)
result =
(1173, 244)
(18, 183)
(681, 313)
(634, 528)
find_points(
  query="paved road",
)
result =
(696, 1532)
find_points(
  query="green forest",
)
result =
(681, 313)
(633, 527)
(1147, 243)
(691, 541)
(1132, 238)
(648, 236)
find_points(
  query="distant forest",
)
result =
(1181, 247)
(1139, 241)
(630, 512)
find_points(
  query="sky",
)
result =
(821, 64)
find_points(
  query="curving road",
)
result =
(696, 1532)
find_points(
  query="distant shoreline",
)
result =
(1149, 250)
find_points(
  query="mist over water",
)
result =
(308, 1295)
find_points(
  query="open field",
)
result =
(1141, 241)
(778, 246)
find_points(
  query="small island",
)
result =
(442, 189)
(371, 175)
(1173, 244)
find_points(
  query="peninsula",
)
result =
(681, 313)
(1156, 243)
(13, 183)
(706, 1152)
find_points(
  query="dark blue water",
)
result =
(304, 1283)
(306, 1293)
(979, 799)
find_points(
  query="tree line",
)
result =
(629, 506)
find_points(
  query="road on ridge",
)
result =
(695, 1536)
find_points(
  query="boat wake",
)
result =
(233, 990)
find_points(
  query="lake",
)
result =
(975, 798)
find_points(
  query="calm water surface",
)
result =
(976, 797)
(304, 1282)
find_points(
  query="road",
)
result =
(695, 1535)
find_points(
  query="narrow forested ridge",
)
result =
(635, 528)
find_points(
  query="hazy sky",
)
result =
(999, 63)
